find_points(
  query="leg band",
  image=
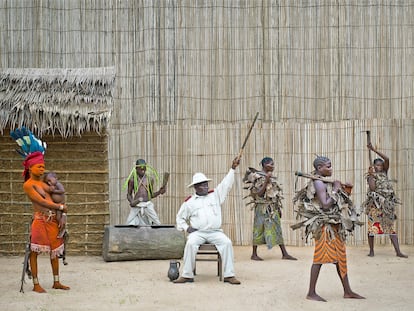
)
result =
(56, 278)
(35, 281)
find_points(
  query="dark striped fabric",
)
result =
(330, 250)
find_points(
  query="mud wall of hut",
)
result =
(82, 167)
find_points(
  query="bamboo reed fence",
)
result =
(190, 75)
(183, 151)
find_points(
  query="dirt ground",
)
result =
(385, 280)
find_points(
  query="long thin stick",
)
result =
(247, 136)
(313, 177)
(369, 142)
(369, 151)
(26, 267)
(346, 187)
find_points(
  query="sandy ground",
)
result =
(273, 284)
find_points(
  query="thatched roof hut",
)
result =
(54, 100)
(70, 110)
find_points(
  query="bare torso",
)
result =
(142, 193)
(37, 191)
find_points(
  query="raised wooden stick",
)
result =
(347, 187)
(247, 136)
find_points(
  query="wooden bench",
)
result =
(211, 254)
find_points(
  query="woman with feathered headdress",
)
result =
(45, 227)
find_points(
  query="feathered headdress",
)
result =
(32, 149)
(27, 142)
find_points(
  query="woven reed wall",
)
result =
(197, 60)
(184, 150)
(191, 74)
(219, 61)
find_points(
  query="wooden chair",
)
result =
(212, 254)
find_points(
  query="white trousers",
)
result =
(218, 238)
(143, 214)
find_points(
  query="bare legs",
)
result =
(285, 254)
(312, 295)
(348, 293)
(394, 241)
(254, 254)
(55, 269)
(371, 245)
(312, 284)
(33, 265)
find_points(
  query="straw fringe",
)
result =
(67, 101)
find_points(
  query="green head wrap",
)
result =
(150, 172)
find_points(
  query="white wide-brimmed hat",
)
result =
(198, 178)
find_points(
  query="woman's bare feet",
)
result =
(353, 295)
(315, 297)
(38, 289)
(402, 255)
(58, 285)
(255, 257)
(288, 257)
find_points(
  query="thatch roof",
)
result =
(64, 101)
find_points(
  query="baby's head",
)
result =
(50, 178)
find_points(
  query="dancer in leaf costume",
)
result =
(266, 195)
(327, 213)
(380, 203)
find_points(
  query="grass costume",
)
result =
(380, 203)
(266, 199)
(327, 214)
